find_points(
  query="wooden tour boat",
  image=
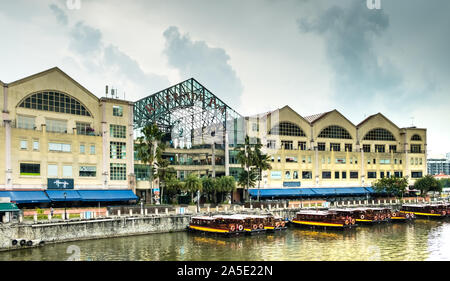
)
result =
(324, 219)
(439, 210)
(217, 225)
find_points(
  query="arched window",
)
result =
(55, 102)
(287, 129)
(335, 132)
(379, 134)
(416, 138)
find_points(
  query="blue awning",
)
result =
(327, 191)
(107, 195)
(23, 197)
(58, 195)
(282, 192)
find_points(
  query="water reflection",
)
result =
(422, 240)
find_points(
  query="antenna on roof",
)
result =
(107, 90)
(412, 121)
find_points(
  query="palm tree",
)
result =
(148, 150)
(227, 184)
(193, 184)
(246, 158)
(262, 163)
(248, 179)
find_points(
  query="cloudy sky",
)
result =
(256, 55)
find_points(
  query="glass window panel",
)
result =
(53, 170)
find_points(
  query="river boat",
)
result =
(217, 225)
(398, 216)
(252, 224)
(426, 210)
(274, 223)
(324, 219)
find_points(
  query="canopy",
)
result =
(23, 197)
(107, 195)
(8, 207)
(58, 195)
(310, 192)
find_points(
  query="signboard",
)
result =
(275, 175)
(60, 184)
(291, 184)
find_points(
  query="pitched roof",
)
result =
(313, 118)
(372, 116)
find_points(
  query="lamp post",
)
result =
(65, 206)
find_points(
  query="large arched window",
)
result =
(335, 132)
(379, 134)
(55, 102)
(416, 138)
(287, 129)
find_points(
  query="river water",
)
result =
(418, 241)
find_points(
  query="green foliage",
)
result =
(392, 186)
(445, 182)
(248, 178)
(428, 183)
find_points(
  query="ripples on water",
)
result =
(422, 240)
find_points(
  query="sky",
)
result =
(256, 55)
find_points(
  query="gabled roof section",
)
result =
(48, 71)
(287, 107)
(316, 117)
(373, 116)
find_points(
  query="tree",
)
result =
(262, 163)
(148, 150)
(426, 184)
(392, 186)
(193, 184)
(248, 179)
(210, 188)
(173, 187)
(227, 184)
(246, 158)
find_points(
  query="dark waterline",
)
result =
(422, 240)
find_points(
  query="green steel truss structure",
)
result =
(191, 114)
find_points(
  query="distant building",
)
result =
(437, 166)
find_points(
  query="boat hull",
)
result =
(213, 231)
(325, 225)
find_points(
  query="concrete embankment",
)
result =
(74, 230)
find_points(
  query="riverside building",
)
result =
(60, 143)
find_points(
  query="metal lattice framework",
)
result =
(189, 112)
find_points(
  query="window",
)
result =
(416, 148)
(24, 144)
(393, 148)
(380, 148)
(335, 147)
(84, 128)
(336, 175)
(88, 171)
(326, 175)
(416, 138)
(321, 146)
(52, 170)
(348, 147)
(287, 175)
(380, 135)
(288, 145)
(118, 131)
(366, 147)
(117, 110)
(35, 145)
(56, 126)
(395, 161)
(372, 175)
(398, 174)
(142, 172)
(340, 160)
(59, 147)
(335, 132)
(309, 159)
(416, 175)
(385, 161)
(255, 127)
(67, 171)
(381, 174)
(353, 175)
(307, 175)
(295, 175)
(291, 159)
(374, 161)
(279, 159)
(118, 150)
(92, 151)
(55, 102)
(30, 169)
(287, 129)
(344, 175)
(25, 122)
(272, 144)
(118, 172)
(82, 148)
(302, 145)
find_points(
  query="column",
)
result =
(7, 123)
(105, 147)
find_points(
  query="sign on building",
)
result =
(60, 184)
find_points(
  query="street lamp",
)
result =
(65, 206)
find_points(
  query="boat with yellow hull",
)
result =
(426, 210)
(323, 219)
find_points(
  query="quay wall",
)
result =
(75, 230)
